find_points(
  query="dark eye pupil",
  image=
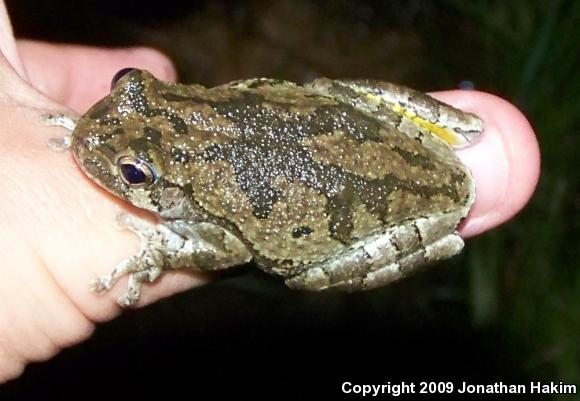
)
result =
(120, 74)
(133, 174)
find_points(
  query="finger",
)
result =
(7, 43)
(505, 163)
(78, 76)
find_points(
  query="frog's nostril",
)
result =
(120, 74)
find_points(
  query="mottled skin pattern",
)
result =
(308, 180)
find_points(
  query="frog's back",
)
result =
(301, 176)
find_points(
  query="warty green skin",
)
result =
(327, 184)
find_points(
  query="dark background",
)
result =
(507, 309)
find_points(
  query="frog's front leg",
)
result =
(385, 257)
(203, 247)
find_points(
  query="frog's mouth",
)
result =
(101, 172)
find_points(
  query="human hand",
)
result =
(49, 210)
(57, 232)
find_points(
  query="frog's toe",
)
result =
(59, 120)
(63, 121)
(60, 144)
(102, 283)
(133, 293)
(127, 299)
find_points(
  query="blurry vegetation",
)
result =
(525, 275)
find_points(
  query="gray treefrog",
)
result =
(333, 184)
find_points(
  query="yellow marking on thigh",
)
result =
(446, 134)
(449, 136)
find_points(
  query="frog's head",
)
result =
(116, 145)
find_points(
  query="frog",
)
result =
(332, 184)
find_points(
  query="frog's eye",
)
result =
(136, 172)
(120, 74)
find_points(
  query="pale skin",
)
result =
(54, 237)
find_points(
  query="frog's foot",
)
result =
(146, 266)
(384, 258)
(139, 271)
(60, 120)
(198, 246)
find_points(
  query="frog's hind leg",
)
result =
(406, 109)
(386, 257)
